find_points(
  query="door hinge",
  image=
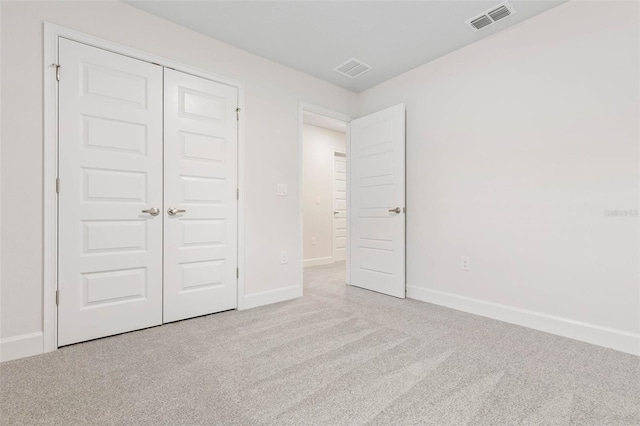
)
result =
(238, 114)
(57, 297)
(57, 71)
(237, 272)
(237, 193)
(57, 185)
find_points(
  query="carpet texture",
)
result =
(339, 355)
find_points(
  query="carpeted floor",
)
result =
(338, 356)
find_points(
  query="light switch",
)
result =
(282, 189)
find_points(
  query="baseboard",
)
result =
(272, 296)
(317, 261)
(21, 346)
(619, 340)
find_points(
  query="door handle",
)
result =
(335, 213)
(153, 211)
(173, 211)
(397, 210)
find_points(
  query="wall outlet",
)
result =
(465, 263)
(314, 241)
(283, 257)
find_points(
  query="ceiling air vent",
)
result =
(481, 22)
(499, 13)
(491, 16)
(352, 68)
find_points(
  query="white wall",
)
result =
(516, 146)
(271, 116)
(319, 145)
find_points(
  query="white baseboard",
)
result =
(272, 296)
(619, 340)
(21, 346)
(317, 261)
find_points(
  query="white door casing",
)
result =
(339, 206)
(377, 195)
(110, 169)
(200, 170)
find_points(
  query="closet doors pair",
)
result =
(147, 206)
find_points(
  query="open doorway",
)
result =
(324, 197)
(362, 216)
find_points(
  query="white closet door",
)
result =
(110, 170)
(200, 161)
(339, 206)
(377, 193)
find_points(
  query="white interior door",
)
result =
(110, 171)
(377, 194)
(200, 183)
(339, 206)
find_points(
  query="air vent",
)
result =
(499, 13)
(481, 22)
(491, 16)
(352, 68)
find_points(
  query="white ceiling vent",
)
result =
(352, 68)
(480, 22)
(499, 12)
(490, 16)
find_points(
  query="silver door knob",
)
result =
(153, 211)
(397, 210)
(173, 211)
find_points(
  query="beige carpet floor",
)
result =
(339, 355)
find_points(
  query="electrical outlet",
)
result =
(465, 264)
(314, 241)
(283, 257)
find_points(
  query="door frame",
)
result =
(302, 107)
(333, 201)
(52, 33)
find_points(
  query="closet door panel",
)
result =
(200, 182)
(110, 171)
